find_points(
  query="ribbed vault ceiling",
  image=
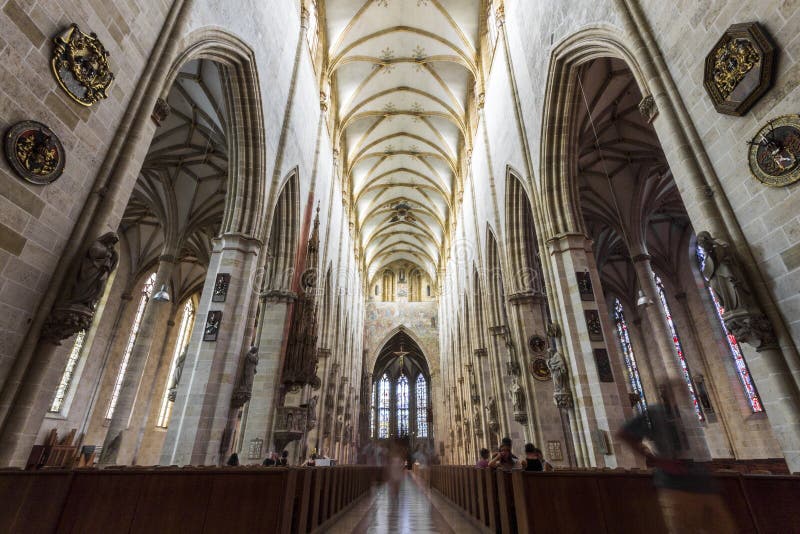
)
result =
(629, 199)
(402, 71)
(179, 198)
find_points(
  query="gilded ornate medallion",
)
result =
(739, 69)
(537, 344)
(80, 64)
(775, 152)
(539, 369)
(34, 152)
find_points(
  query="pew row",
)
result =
(209, 499)
(616, 501)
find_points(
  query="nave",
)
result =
(404, 505)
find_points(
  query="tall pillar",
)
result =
(211, 369)
(667, 367)
(155, 314)
(597, 413)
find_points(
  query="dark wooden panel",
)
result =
(32, 502)
(249, 501)
(775, 502)
(563, 503)
(630, 503)
(102, 501)
(173, 501)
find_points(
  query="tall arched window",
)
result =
(69, 371)
(676, 341)
(422, 407)
(402, 405)
(181, 344)
(383, 407)
(147, 290)
(372, 410)
(630, 359)
(748, 386)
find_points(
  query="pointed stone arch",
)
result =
(284, 236)
(521, 234)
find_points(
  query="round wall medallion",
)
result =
(539, 369)
(80, 65)
(34, 151)
(537, 344)
(775, 152)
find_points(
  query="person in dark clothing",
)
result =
(689, 500)
(283, 461)
(504, 459)
(233, 461)
(534, 459)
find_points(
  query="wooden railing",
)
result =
(171, 499)
(601, 501)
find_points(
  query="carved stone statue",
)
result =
(742, 315)
(312, 412)
(517, 396)
(176, 377)
(100, 260)
(75, 310)
(558, 370)
(491, 409)
(476, 424)
(244, 387)
(722, 270)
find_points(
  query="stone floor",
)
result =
(407, 507)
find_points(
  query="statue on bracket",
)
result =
(75, 310)
(742, 316)
(558, 370)
(244, 387)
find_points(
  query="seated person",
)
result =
(534, 459)
(483, 461)
(504, 459)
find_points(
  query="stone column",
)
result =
(667, 367)
(203, 403)
(597, 414)
(155, 314)
(267, 382)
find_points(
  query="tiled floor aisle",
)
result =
(407, 509)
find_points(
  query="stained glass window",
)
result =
(181, 343)
(630, 359)
(422, 407)
(147, 290)
(372, 410)
(383, 407)
(402, 405)
(676, 341)
(69, 370)
(746, 380)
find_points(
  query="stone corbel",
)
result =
(525, 297)
(480, 353)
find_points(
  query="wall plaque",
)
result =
(585, 285)
(739, 69)
(774, 154)
(34, 152)
(554, 453)
(211, 329)
(80, 65)
(593, 325)
(221, 287)
(603, 365)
